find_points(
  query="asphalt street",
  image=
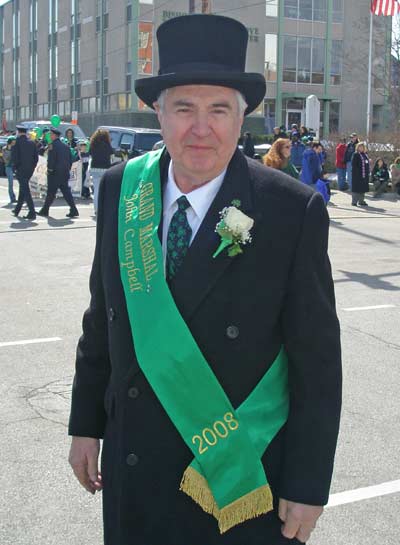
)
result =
(44, 270)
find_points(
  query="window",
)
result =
(336, 62)
(308, 10)
(320, 10)
(303, 60)
(271, 47)
(269, 115)
(334, 117)
(271, 8)
(337, 14)
(129, 12)
(318, 61)
(127, 139)
(289, 58)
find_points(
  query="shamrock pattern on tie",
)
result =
(178, 238)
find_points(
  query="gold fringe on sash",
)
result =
(252, 505)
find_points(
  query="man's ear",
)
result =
(158, 111)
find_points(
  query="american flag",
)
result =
(385, 7)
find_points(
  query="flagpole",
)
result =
(369, 106)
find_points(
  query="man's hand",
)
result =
(83, 458)
(299, 519)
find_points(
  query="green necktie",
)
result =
(178, 238)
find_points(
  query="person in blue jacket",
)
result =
(296, 152)
(311, 168)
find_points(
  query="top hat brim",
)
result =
(251, 85)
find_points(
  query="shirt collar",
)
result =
(199, 199)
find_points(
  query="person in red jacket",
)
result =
(341, 165)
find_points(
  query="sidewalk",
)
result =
(388, 205)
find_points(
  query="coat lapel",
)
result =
(200, 270)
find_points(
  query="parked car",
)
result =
(62, 127)
(128, 142)
(3, 142)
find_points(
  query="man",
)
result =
(294, 131)
(341, 164)
(215, 267)
(7, 151)
(248, 145)
(311, 170)
(59, 163)
(24, 158)
(279, 132)
(350, 150)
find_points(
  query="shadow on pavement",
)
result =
(374, 281)
(22, 224)
(339, 225)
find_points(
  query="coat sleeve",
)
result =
(312, 340)
(51, 159)
(15, 155)
(92, 370)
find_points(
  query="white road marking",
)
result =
(375, 307)
(364, 493)
(30, 341)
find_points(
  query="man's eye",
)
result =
(183, 110)
(219, 111)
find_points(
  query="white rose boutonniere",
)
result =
(234, 230)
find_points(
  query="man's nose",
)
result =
(201, 125)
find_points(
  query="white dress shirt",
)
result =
(200, 200)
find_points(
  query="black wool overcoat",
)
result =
(240, 311)
(359, 183)
(24, 157)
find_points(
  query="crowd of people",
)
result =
(295, 152)
(21, 155)
(299, 155)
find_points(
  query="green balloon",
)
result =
(38, 131)
(48, 138)
(55, 120)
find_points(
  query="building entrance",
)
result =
(294, 117)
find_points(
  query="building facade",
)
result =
(66, 56)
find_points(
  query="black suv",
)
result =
(132, 141)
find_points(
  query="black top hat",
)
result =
(55, 131)
(204, 50)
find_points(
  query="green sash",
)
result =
(226, 477)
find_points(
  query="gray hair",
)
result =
(242, 104)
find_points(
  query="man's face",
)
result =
(53, 136)
(200, 125)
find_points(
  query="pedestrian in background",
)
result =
(84, 157)
(350, 149)
(7, 150)
(101, 152)
(395, 175)
(294, 131)
(311, 170)
(24, 158)
(279, 133)
(360, 175)
(278, 157)
(297, 152)
(341, 164)
(72, 142)
(248, 145)
(380, 177)
(59, 163)
(303, 131)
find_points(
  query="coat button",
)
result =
(232, 332)
(133, 392)
(132, 459)
(111, 314)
